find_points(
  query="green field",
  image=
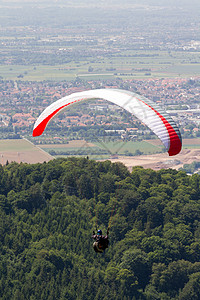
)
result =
(129, 147)
(129, 65)
(105, 149)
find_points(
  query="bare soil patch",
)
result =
(161, 161)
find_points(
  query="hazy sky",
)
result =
(177, 3)
(111, 12)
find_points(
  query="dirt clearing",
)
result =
(162, 160)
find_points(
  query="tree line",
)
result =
(48, 212)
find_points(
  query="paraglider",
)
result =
(144, 109)
(101, 241)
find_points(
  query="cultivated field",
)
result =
(122, 147)
(75, 144)
(187, 143)
(111, 148)
(128, 66)
(24, 151)
(189, 153)
(21, 151)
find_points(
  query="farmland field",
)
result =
(106, 148)
(129, 65)
(21, 150)
(123, 147)
(156, 161)
(24, 151)
(71, 144)
(191, 144)
(187, 143)
(118, 147)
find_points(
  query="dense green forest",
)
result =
(48, 212)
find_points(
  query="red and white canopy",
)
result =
(144, 109)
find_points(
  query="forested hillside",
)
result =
(48, 212)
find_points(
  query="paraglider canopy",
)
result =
(144, 109)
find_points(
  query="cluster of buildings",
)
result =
(21, 102)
